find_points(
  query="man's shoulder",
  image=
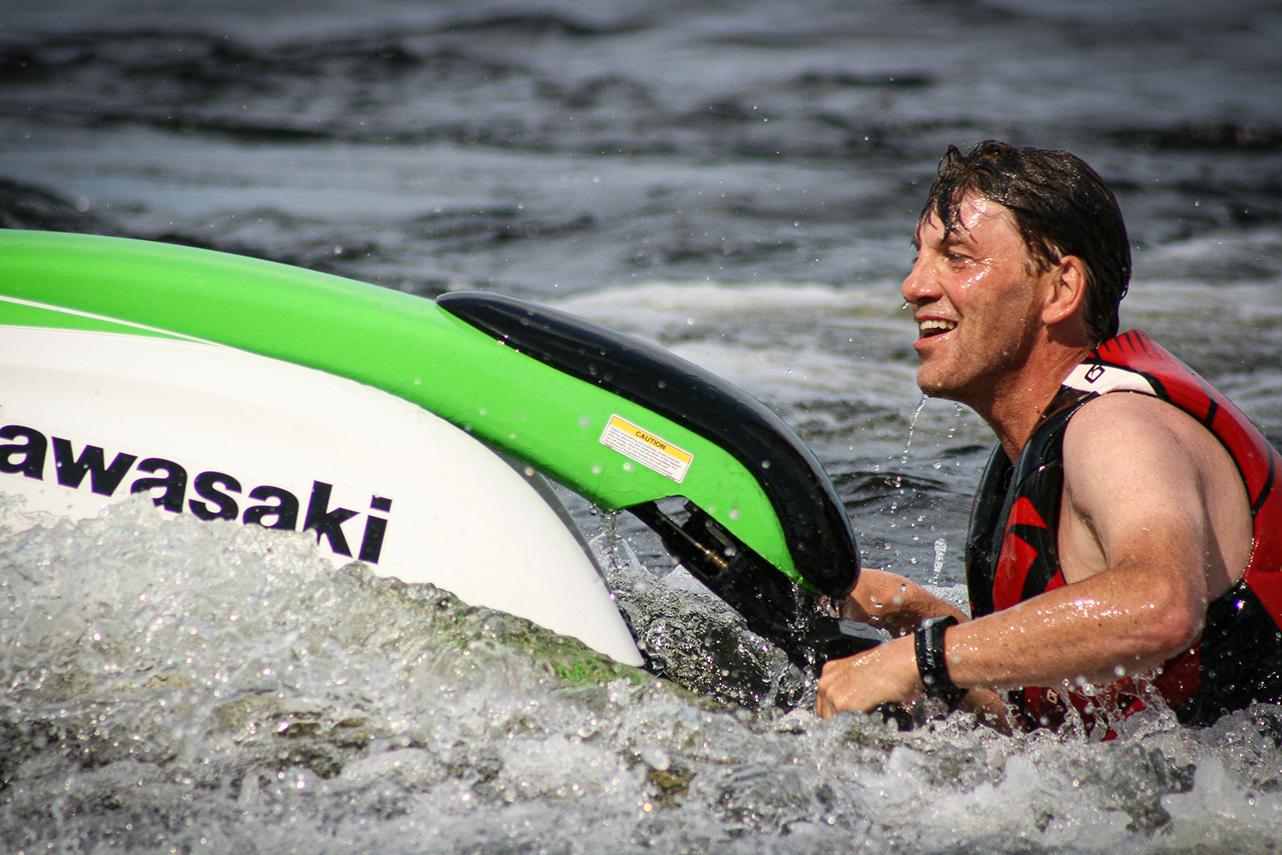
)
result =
(1125, 420)
(1125, 434)
(1124, 409)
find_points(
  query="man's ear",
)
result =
(1067, 294)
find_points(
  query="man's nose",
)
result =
(918, 285)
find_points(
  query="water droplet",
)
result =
(941, 549)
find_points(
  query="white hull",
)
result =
(223, 433)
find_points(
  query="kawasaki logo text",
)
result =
(216, 495)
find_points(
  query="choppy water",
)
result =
(737, 181)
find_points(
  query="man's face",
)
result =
(976, 297)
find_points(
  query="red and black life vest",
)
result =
(1012, 553)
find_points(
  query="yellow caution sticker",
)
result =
(647, 449)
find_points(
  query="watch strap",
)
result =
(932, 664)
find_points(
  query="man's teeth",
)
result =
(929, 327)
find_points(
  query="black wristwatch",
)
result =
(932, 665)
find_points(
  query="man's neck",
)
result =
(1017, 409)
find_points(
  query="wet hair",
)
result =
(1061, 207)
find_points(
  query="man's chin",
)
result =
(931, 387)
(937, 388)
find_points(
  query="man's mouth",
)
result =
(927, 328)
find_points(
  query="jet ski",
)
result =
(411, 434)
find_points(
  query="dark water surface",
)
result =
(736, 181)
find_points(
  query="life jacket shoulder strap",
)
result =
(1013, 551)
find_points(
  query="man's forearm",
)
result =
(893, 603)
(1097, 630)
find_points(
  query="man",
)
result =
(1138, 537)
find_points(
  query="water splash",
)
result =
(690, 635)
(897, 483)
(912, 426)
(171, 685)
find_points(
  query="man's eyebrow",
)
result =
(957, 234)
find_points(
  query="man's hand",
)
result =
(885, 674)
(888, 674)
